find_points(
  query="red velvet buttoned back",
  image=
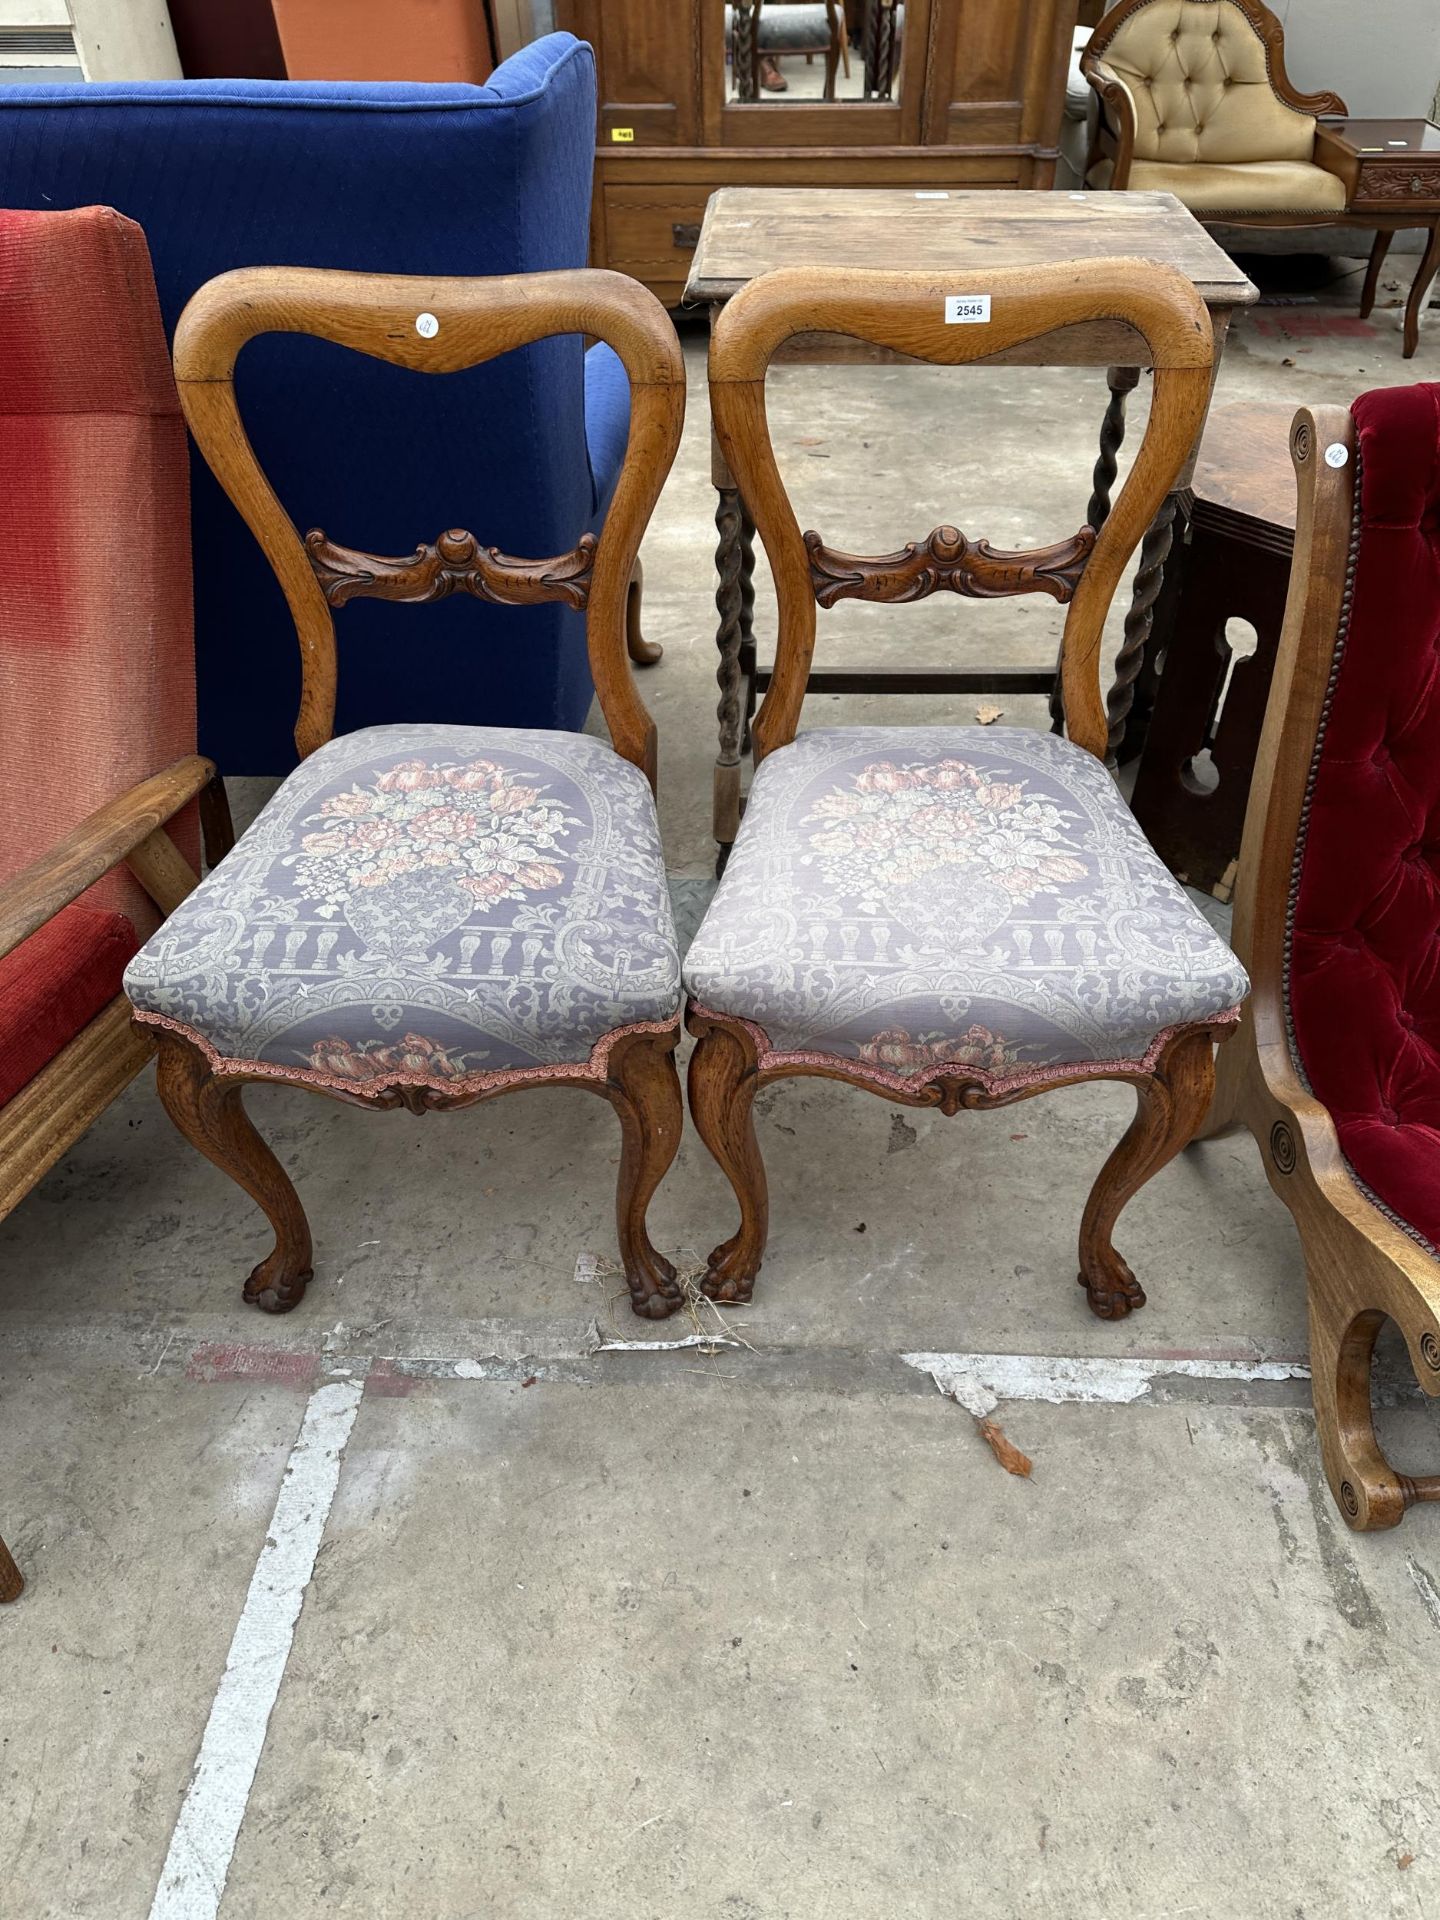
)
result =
(1365, 952)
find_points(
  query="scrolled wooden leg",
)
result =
(644, 1089)
(643, 652)
(1420, 287)
(1367, 1489)
(207, 1109)
(1169, 1103)
(1372, 272)
(722, 1095)
(12, 1581)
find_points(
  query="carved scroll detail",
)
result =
(948, 562)
(456, 563)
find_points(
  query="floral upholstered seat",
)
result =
(917, 897)
(427, 903)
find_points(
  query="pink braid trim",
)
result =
(773, 1060)
(592, 1069)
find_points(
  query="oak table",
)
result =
(1391, 170)
(749, 230)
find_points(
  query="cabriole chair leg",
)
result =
(644, 1089)
(207, 1109)
(1170, 1104)
(722, 1086)
(12, 1583)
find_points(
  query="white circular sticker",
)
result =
(427, 326)
(1336, 455)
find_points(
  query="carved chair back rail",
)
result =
(877, 923)
(428, 916)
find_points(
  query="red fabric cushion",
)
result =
(1365, 951)
(97, 658)
(55, 983)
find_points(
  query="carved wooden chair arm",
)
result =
(1117, 133)
(131, 828)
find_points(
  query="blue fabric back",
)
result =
(398, 178)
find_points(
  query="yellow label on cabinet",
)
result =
(622, 133)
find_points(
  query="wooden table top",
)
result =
(1244, 471)
(749, 230)
(1389, 139)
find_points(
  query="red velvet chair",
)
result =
(1336, 1069)
(97, 675)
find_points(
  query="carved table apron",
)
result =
(749, 230)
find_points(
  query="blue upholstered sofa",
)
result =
(524, 452)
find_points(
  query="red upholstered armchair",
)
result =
(1336, 1069)
(97, 676)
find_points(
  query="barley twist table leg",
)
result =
(747, 619)
(1154, 552)
(1122, 382)
(729, 602)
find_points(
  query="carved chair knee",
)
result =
(431, 916)
(1334, 1070)
(952, 917)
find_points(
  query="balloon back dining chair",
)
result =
(431, 915)
(953, 916)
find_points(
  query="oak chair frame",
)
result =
(474, 320)
(49, 1114)
(903, 312)
(1361, 1266)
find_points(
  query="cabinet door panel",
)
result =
(649, 60)
(998, 72)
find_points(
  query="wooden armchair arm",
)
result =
(130, 828)
(1117, 100)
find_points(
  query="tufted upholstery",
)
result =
(1196, 71)
(1209, 125)
(1364, 959)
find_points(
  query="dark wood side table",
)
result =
(749, 230)
(1232, 563)
(1391, 170)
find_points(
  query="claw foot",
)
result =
(1112, 1295)
(655, 1293)
(279, 1294)
(727, 1282)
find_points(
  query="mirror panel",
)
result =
(801, 50)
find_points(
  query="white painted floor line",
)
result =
(192, 1881)
(980, 1381)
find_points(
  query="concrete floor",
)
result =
(759, 1633)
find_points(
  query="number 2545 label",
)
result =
(967, 309)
